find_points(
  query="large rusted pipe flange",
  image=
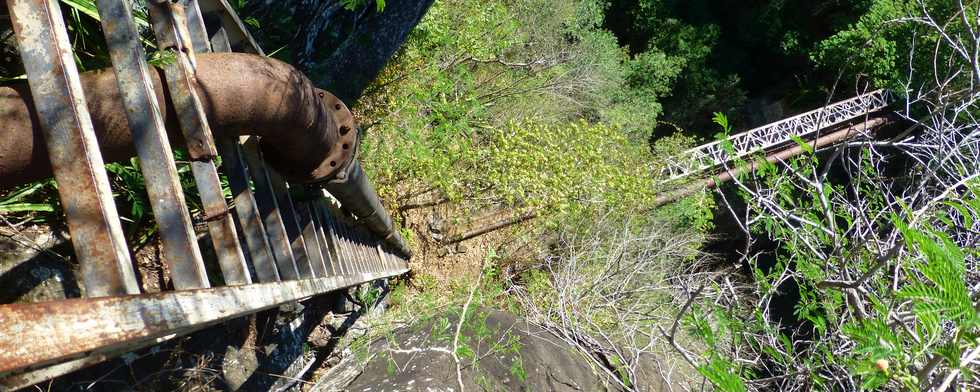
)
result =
(308, 135)
(242, 94)
(351, 186)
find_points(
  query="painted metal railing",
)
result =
(278, 242)
(806, 126)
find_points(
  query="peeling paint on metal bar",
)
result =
(238, 35)
(290, 220)
(67, 329)
(333, 243)
(31, 377)
(170, 25)
(269, 209)
(250, 222)
(195, 25)
(149, 134)
(246, 209)
(83, 185)
(308, 233)
(323, 232)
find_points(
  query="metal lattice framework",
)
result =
(780, 133)
(302, 239)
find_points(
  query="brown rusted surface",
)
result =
(343, 150)
(61, 113)
(170, 29)
(64, 330)
(28, 378)
(241, 94)
(150, 139)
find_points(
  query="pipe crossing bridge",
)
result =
(774, 136)
(304, 219)
(831, 124)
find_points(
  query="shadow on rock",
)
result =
(498, 352)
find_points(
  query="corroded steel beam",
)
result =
(308, 135)
(301, 126)
(58, 116)
(238, 36)
(169, 22)
(180, 248)
(268, 208)
(64, 330)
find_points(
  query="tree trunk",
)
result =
(342, 51)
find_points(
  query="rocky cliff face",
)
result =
(340, 50)
(501, 353)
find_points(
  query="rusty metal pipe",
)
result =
(356, 195)
(306, 132)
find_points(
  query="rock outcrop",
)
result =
(499, 352)
(341, 50)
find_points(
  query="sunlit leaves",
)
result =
(567, 167)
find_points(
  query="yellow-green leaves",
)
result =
(568, 168)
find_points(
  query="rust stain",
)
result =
(241, 94)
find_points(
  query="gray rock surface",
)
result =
(510, 354)
(35, 267)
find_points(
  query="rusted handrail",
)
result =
(308, 216)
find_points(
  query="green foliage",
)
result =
(351, 5)
(89, 9)
(368, 295)
(892, 37)
(672, 61)
(129, 191)
(713, 326)
(877, 44)
(529, 105)
(946, 320)
(162, 58)
(851, 326)
(15, 200)
(565, 168)
(648, 78)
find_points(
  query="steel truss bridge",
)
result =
(806, 127)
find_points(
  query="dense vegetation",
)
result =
(853, 268)
(837, 246)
